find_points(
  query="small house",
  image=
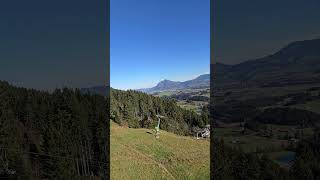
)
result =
(204, 133)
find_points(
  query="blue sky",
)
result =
(152, 40)
(247, 29)
(50, 44)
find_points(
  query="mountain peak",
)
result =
(165, 81)
(203, 76)
(295, 64)
(300, 48)
(168, 85)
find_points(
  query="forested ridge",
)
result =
(234, 164)
(138, 110)
(58, 135)
(228, 163)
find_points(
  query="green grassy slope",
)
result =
(137, 154)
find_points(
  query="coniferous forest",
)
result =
(58, 135)
(138, 110)
(234, 164)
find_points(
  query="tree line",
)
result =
(229, 163)
(138, 110)
(58, 135)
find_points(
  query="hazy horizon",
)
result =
(155, 82)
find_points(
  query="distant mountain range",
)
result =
(296, 63)
(202, 81)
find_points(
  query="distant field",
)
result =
(313, 106)
(202, 92)
(137, 154)
(251, 140)
(187, 106)
(193, 106)
(248, 143)
(166, 93)
(249, 93)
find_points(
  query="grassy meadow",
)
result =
(137, 154)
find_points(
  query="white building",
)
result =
(204, 133)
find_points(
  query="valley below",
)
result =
(190, 99)
(269, 106)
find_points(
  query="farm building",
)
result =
(204, 133)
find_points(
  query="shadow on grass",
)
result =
(149, 132)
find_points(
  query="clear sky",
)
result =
(49, 44)
(152, 40)
(247, 29)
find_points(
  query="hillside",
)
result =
(296, 63)
(52, 135)
(268, 106)
(138, 110)
(202, 81)
(137, 154)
